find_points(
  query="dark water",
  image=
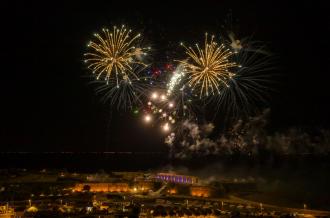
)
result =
(305, 166)
(130, 161)
(84, 161)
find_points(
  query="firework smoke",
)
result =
(247, 138)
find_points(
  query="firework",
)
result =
(208, 68)
(248, 89)
(117, 61)
(178, 93)
(127, 95)
(116, 55)
(175, 80)
(161, 109)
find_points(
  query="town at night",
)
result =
(188, 109)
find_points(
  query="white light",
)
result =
(171, 105)
(175, 79)
(154, 95)
(147, 118)
(163, 97)
(149, 103)
(166, 127)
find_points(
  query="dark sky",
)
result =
(47, 105)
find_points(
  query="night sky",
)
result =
(47, 104)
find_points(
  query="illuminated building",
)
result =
(200, 191)
(175, 178)
(172, 191)
(7, 212)
(102, 187)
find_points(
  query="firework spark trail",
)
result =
(175, 80)
(249, 87)
(180, 93)
(119, 60)
(115, 55)
(208, 67)
(127, 95)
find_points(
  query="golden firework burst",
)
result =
(208, 68)
(116, 55)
